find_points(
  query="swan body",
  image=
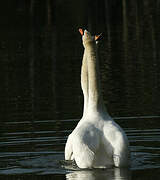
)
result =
(97, 141)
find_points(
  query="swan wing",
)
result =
(69, 149)
(85, 145)
(115, 135)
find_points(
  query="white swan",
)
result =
(97, 141)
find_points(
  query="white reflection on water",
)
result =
(106, 174)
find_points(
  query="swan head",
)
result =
(87, 38)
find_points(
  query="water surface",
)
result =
(38, 149)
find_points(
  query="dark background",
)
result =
(41, 53)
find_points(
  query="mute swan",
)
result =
(97, 141)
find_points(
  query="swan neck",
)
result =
(95, 96)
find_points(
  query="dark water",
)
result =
(38, 150)
(40, 95)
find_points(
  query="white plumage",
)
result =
(97, 141)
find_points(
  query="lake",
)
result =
(37, 149)
(40, 93)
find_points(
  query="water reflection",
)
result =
(38, 148)
(106, 174)
(37, 52)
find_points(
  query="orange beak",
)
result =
(97, 37)
(81, 31)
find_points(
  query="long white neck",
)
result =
(95, 102)
(84, 82)
(90, 81)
